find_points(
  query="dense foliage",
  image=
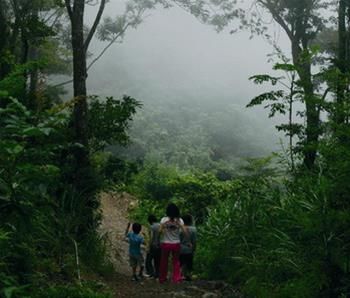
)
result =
(270, 234)
(46, 228)
(52, 160)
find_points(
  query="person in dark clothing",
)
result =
(188, 247)
(153, 254)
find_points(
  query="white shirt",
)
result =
(171, 230)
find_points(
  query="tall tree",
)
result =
(80, 46)
(109, 30)
(301, 21)
(4, 32)
(342, 61)
(27, 27)
(80, 40)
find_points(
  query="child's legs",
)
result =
(176, 278)
(186, 264)
(140, 263)
(183, 260)
(133, 264)
(163, 269)
(149, 265)
(156, 256)
(190, 263)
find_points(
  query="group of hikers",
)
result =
(173, 235)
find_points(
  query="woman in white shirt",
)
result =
(170, 228)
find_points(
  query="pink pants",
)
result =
(166, 248)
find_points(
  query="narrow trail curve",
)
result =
(115, 218)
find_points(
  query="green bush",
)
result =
(270, 236)
(93, 252)
(157, 185)
(277, 240)
(42, 214)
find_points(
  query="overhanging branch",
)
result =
(69, 9)
(94, 26)
(99, 55)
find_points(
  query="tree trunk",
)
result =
(33, 84)
(342, 63)
(290, 118)
(4, 33)
(296, 28)
(312, 129)
(312, 124)
(82, 171)
(79, 73)
(33, 55)
(80, 106)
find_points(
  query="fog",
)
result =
(173, 57)
(171, 50)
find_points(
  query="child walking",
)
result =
(135, 256)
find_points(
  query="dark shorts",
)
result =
(135, 261)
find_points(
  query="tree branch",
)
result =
(69, 9)
(107, 47)
(270, 6)
(98, 56)
(112, 41)
(54, 14)
(62, 83)
(325, 93)
(94, 26)
(323, 98)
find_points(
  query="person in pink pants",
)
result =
(170, 227)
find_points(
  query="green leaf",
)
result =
(8, 292)
(259, 79)
(284, 67)
(268, 96)
(4, 199)
(3, 94)
(14, 149)
(277, 108)
(36, 131)
(46, 130)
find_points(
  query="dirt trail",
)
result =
(115, 218)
